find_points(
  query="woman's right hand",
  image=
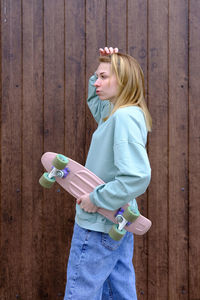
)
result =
(107, 51)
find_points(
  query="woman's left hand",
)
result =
(86, 204)
(108, 51)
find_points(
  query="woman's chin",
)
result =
(102, 98)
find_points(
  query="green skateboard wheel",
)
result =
(46, 182)
(115, 233)
(131, 215)
(60, 161)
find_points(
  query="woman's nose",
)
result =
(97, 83)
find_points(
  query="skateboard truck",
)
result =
(123, 218)
(58, 170)
(58, 173)
(122, 222)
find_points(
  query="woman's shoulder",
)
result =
(130, 121)
(130, 114)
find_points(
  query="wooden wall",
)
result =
(48, 51)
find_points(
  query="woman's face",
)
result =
(106, 83)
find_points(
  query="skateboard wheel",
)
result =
(115, 233)
(131, 215)
(45, 181)
(60, 161)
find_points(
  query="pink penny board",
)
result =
(81, 181)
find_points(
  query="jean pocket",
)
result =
(109, 243)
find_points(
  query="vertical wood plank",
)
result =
(158, 149)
(32, 227)
(75, 80)
(116, 24)
(194, 151)
(74, 101)
(11, 155)
(137, 47)
(137, 33)
(54, 135)
(95, 39)
(178, 149)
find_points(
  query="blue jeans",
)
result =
(100, 268)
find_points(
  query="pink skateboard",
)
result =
(78, 180)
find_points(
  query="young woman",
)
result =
(99, 267)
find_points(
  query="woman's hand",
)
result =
(108, 51)
(86, 204)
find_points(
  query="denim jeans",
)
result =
(100, 268)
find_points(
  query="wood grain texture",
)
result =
(194, 151)
(137, 47)
(75, 79)
(49, 49)
(54, 126)
(95, 38)
(11, 152)
(117, 24)
(32, 146)
(75, 106)
(178, 150)
(158, 149)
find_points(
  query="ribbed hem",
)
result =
(100, 227)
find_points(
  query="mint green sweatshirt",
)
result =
(117, 155)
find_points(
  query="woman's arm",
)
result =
(131, 180)
(95, 105)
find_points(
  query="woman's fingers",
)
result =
(107, 51)
(78, 201)
(111, 50)
(101, 50)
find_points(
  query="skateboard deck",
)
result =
(79, 181)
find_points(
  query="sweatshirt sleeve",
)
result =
(95, 105)
(133, 172)
(131, 180)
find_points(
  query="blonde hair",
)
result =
(130, 80)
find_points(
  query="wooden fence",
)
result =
(48, 51)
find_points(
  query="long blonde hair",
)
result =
(130, 80)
